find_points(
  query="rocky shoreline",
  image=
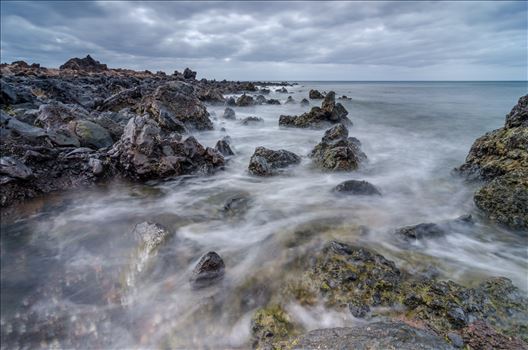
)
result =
(85, 123)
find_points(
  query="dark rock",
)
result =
(245, 100)
(305, 102)
(378, 335)
(518, 115)
(84, 64)
(315, 95)
(14, 168)
(356, 187)
(223, 146)
(267, 162)
(344, 97)
(358, 311)
(231, 101)
(260, 99)
(270, 325)
(336, 152)
(424, 230)
(251, 120)
(265, 91)
(455, 339)
(122, 99)
(289, 100)
(273, 101)
(175, 107)
(209, 270)
(91, 134)
(480, 335)
(505, 199)
(329, 113)
(189, 74)
(20, 128)
(237, 204)
(282, 90)
(229, 113)
(56, 115)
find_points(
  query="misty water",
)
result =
(63, 257)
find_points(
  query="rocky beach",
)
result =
(163, 211)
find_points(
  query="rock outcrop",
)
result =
(337, 151)
(329, 113)
(267, 162)
(500, 158)
(84, 64)
(315, 95)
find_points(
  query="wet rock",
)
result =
(267, 162)
(209, 270)
(315, 95)
(84, 64)
(91, 134)
(265, 91)
(358, 311)
(14, 168)
(270, 325)
(237, 204)
(231, 101)
(424, 230)
(175, 107)
(329, 113)
(144, 152)
(251, 120)
(189, 74)
(229, 113)
(518, 115)
(378, 335)
(273, 101)
(223, 146)
(282, 90)
(245, 100)
(505, 199)
(344, 97)
(289, 100)
(305, 102)
(480, 335)
(337, 152)
(355, 187)
(260, 99)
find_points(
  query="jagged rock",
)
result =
(265, 91)
(355, 187)
(208, 271)
(373, 336)
(267, 162)
(122, 99)
(223, 146)
(273, 101)
(251, 120)
(14, 168)
(245, 100)
(56, 115)
(84, 64)
(175, 107)
(144, 152)
(315, 95)
(337, 151)
(505, 199)
(189, 74)
(329, 113)
(289, 100)
(480, 335)
(229, 113)
(518, 115)
(282, 90)
(305, 102)
(20, 128)
(91, 134)
(112, 123)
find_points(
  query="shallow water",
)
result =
(63, 257)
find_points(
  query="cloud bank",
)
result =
(278, 40)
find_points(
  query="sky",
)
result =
(374, 40)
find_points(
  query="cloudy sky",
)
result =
(278, 40)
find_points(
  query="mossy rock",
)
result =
(270, 326)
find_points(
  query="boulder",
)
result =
(91, 134)
(305, 102)
(267, 162)
(251, 120)
(122, 99)
(231, 101)
(84, 64)
(329, 113)
(189, 74)
(337, 152)
(175, 107)
(315, 95)
(229, 113)
(289, 100)
(209, 270)
(56, 115)
(14, 168)
(434, 230)
(245, 100)
(260, 99)
(145, 152)
(356, 187)
(273, 101)
(282, 90)
(223, 147)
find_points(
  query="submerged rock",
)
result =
(270, 325)
(356, 187)
(329, 113)
(223, 146)
(251, 120)
(372, 336)
(267, 162)
(336, 151)
(273, 101)
(209, 270)
(282, 90)
(229, 113)
(289, 100)
(434, 230)
(305, 102)
(315, 95)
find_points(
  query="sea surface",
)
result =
(63, 257)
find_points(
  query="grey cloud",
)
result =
(250, 39)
